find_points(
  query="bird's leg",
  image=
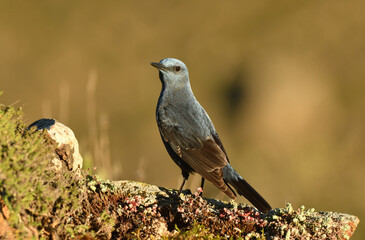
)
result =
(201, 186)
(182, 185)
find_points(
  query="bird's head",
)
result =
(173, 72)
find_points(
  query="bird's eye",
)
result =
(177, 68)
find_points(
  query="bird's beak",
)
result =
(159, 66)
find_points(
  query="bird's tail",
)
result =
(242, 187)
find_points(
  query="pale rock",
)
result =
(67, 153)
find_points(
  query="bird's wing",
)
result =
(220, 144)
(205, 156)
(173, 134)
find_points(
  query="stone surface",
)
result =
(135, 202)
(67, 153)
(149, 193)
(286, 223)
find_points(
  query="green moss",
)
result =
(39, 200)
(95, 183)
(43, 203)
(23, 157)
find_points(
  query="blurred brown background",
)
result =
(282, 81)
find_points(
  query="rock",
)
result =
(149, 193)
(122, 209)
(67, 153)
(231, 218)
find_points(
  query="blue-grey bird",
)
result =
(190, 137)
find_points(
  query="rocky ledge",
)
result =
(62, 201)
